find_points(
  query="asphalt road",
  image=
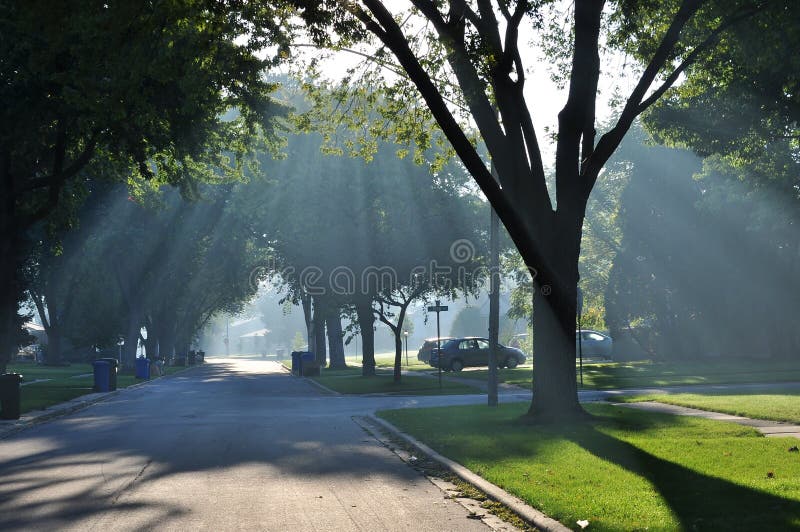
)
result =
(232, 445)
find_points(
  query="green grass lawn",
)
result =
(625, 470)
(63, 384)
(345, 381)
(777, 406)
(612, 375)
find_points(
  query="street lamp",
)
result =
(405, 334)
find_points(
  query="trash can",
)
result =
(10, 392)
(192, 358)
(296, 362)
(308, 364)
(201, 357)
(143, 368)
(113, 364)
(102, 376)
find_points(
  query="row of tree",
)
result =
(362, 239)
(152, 269)
(170, 71)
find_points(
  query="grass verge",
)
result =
(61, 383)
(775, 406)
(625, 470)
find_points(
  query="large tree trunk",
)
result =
(398, 344)
(10, 257)
(335, 341)
(54, 344)
(9, 302)
(131, 340)
(151, 343)
(366, 324)
(398, 354)
(320, 351)
(555, 389)
(165, 335)
(310, 337)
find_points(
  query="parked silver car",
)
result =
(592, 343)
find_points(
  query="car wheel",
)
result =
(511, 362)
(456, 365)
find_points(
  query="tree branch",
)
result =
(634, 106)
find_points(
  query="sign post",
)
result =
(437, 308)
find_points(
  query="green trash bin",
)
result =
(10, 395)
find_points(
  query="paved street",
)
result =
(235, 444)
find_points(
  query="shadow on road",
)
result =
(179, 436)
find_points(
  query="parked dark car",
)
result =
(424, 353)
(458, 353)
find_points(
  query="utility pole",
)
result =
(494, 305)
(494, 296)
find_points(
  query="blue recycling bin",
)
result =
(142, 368)
(308, 364)
(102, 376)
(296, 362)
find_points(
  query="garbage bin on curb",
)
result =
(102, 376)
(10, 395)
(192, 359)
(308, 364)
(201, 356)
(143, 368)
(113, 364)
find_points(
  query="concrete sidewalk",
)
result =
(764, 426)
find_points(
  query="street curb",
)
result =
(308, 379)
(321, 386)
(516, 505)
(65, 408)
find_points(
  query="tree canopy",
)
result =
(471, 52)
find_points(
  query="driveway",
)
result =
(234, 444)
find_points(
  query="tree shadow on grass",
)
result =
(699, 501)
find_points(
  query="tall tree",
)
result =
(140, 85)
(483, 66)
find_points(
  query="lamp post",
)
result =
(405, 334)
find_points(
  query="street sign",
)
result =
(437, 308)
